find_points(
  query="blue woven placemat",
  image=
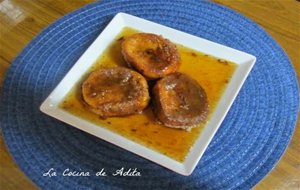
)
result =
(250, 141)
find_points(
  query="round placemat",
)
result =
(250, 141)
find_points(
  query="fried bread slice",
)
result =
(151, 55)
(179, 101)
(114, 92)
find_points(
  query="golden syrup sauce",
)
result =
(212, 74)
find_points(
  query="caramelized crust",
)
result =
(151, 55)
(179, 101)
(115, 92)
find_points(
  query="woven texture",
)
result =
(250, 141)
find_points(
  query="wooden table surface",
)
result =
(21, 20)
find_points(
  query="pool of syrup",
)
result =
(213, 75)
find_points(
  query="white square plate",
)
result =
(243, 60)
